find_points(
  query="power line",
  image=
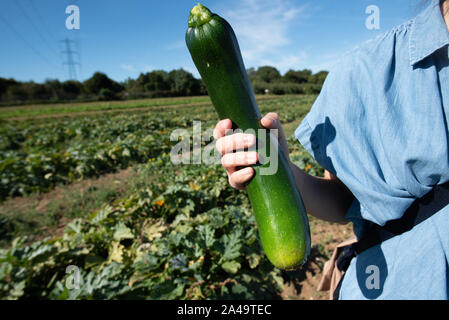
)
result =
(43, 23)
(27, 17)
(26, 42)
(42, 20)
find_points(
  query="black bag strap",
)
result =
(420, 210)
(374, 234)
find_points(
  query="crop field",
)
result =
(92, 188)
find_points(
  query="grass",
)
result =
(289, 128)
(67, 108)
(73, 108)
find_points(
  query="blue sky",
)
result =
(124, 38)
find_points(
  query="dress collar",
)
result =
(428, 33)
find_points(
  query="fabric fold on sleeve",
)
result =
(341, 132)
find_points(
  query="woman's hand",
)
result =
(325, 198)
(234, 161)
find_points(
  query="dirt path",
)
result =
(54, 206)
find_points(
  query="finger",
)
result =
(271, 121)
(240, 178)
(221, 128)
(232, 160)
(235, 141)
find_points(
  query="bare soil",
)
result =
(39, 203)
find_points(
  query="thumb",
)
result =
(271, 121)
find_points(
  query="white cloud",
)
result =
(325, 61)
(286, 62)
(262, 28)
(138, 68)
(147, 68)
(177, 45)
(127, 67)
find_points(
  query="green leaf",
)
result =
(74, 227)
(102, 214)
(154, 230)
(92, 260)
(207, 234)
(122, 232)
(253, 260)
(178, 262)
(42, 253)
(116, 252)
(179, 290)
(18, 289)
(232, 246)
(240, 290)
(189, 207)
(278, 279)
(231, 266)
(126, 152)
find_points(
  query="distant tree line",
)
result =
(268, 79)
(156, 83)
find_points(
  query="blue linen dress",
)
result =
(380, 124)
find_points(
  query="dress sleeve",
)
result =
(341, 133)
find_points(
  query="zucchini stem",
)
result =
(199, 15)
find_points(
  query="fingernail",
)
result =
(247, 171)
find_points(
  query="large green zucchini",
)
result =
(277, 204)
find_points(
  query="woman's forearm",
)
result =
(324, 198)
